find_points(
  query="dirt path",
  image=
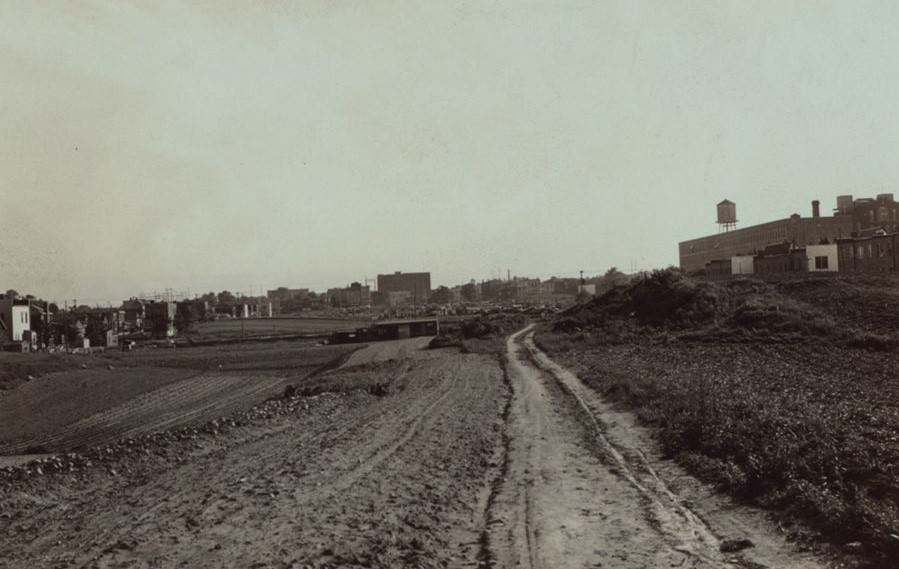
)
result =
(396, 479)
(583, 488)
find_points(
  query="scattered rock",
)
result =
(124, 545)
(853, 546)
(734, 545)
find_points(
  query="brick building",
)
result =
(418, 285)
(851, 217)
(695, 253)
(877, 252)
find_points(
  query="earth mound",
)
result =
(668, 305)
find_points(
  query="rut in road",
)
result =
(573, 497)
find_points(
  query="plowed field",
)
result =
(149, 391)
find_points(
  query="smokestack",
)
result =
(816, 208)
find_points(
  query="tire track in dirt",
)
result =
(255, 442)
(582, 491)
(407, 426)
(681, 528)
(354, 480)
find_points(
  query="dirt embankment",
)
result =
(780, 394)
(664, 306)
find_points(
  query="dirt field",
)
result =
(401, 457)
(148, 390)
(394, 476)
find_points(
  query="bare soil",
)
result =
(125, 394)
(400, 457)
(354, 478)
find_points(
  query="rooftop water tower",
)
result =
(727, 216)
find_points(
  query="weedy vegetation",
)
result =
(784, 395)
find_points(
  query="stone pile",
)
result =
(154, 443)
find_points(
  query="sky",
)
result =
(212, 145)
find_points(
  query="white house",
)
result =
(822, 258)
(15, 318)
(741, 265)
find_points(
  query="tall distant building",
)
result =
(416, 285)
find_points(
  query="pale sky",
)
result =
(217, 145)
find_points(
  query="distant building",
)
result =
(525, 289)
(557, 290)
(823, 258)
(851, 216)
(15, 319)
(398, 299)
(742, 265)
(718, 269)
(160, 318)
(354, 295)
(780, 259)
(194, 310)
(587, 289)
(103, 326)
(875, 252)
(134, 314)
(417, 285)
(869, 213)
(285, 299)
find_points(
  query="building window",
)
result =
(861, 252)
(821, 263)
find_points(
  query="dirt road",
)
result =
(583, 488)
(405, 457)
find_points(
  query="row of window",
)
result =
(883, 214)
(871, 250)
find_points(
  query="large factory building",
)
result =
(850, 217)
(412, 288)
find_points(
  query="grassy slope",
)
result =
(781, 394)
